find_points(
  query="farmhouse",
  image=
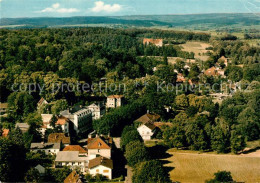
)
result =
(147, 130)
(156, 42)
(101, 165)
(114, 101)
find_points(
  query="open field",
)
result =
(196, 168)
(196, 47)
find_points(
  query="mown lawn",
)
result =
(194, 167)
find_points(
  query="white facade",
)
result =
(102, 152)
(145, 132)
(114, 101)
(98, 110)
(80, 119)
(105, 171)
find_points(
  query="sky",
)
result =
(68, 8)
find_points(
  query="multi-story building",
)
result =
(97, 146)
(97, 109)
(114, 101)
(80, 117)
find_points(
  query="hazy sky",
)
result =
(61, 8)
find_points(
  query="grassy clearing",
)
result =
(197, 48)
(195, 167)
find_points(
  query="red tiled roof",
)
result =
(62, 120)
(100, 161)
(115, 96)
(58, 137)
(211, 72)
(97, 143)
(75, 148)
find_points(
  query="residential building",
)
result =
(156, 42)
(48, 148)
(114, 101)
(81, 150)
(72, 159)
(24, 127)
(98, 146)
(3, 109)
(41, 102)
(64, 123)
(147, 130)
(101, 165)
(97, 109)
(59, 138)
(213, 71)
(46, 119)
(80, 117)
(73, 177)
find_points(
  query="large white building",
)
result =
(146, 131)
(81, 118)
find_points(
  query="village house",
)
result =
(80, 118)
(71, 159)
(97, 109)
(101, 165)
(81, 150)
(147, 130)
(41, 102)
(24, 127)
(114, 101)
(156, 42)
(3, 109)
(61, 120)
(98, 146)
(59, 138)
(48, 148)
(73, 177)
(213, 71)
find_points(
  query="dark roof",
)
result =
(45, 145)
(150, 126)
(100, 161)
(148, 118)
(97, 143)
(58, 137)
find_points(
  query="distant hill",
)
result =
(209, 21)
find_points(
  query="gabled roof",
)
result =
(97, 143)
(73, 177)
(45, 146)
(62, 120)
(148, 118)
(58, 137)
(100, 161)
(115, 96)
(70, 156)
(75, 148)
(211, 72)
(46, 118)
(150, 126)
(41, 101)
